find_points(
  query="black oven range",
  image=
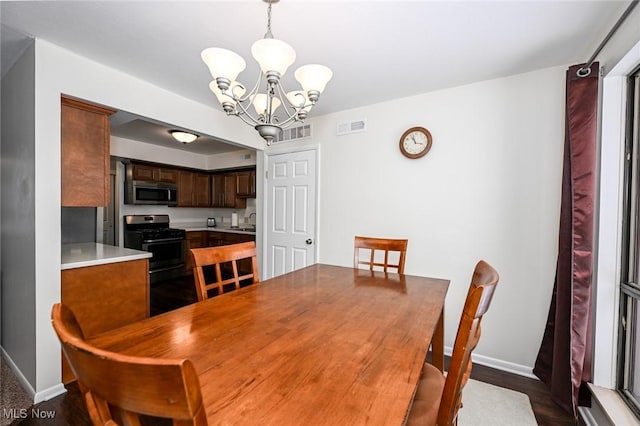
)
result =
(152, 233)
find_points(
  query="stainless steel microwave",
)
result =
(149, 193)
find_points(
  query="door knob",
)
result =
(309, 241)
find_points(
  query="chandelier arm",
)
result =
(245, 112)
(243, 116)
(286, 103)
(253, 91)
(291, 104)
(288, 122)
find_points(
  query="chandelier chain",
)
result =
(268, 34)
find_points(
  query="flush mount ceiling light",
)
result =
(184, 137)
(274, 57)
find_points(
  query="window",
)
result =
(629, 327)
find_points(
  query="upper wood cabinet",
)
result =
(194, 189)
(227, 189)
(224, 191)
(201, 190)
(153, 173)
(246, 183)
(85, 144)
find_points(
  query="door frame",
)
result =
(263, 203)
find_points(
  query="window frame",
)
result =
(630, 250)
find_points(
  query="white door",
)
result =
(291, 211)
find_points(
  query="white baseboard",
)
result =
(510, 367)
(44, 395)
(49, 393)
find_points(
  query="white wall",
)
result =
(488, 189)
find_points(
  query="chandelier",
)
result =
(274, 57)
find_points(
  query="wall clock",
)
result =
(415, 142)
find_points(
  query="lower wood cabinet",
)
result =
(194, 239)
(197, 239)
(226, 238)
(105, 297)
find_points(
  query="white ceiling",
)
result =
(378, 50)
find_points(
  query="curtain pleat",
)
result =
(564, 359)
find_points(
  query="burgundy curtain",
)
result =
(564, 358)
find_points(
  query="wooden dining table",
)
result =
(323, 345)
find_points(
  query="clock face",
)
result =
(415, 142)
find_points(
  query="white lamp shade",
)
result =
(298, 98)
(273, 55)
(234, 88)
(259, 102)
(183, 137)
(313, 77)
(223, 63)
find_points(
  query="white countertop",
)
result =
(91, 254)
(220, 228)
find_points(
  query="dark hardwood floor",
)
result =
(69, 409)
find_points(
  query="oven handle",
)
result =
(162, 240)
(168, 268)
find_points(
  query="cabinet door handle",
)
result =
(309, 241)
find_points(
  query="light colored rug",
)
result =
(13, 398)
(487, 405)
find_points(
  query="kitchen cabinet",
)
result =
(153, 173)
(194, 239)
(105, 297)
(202, 189)
(225, 238)
(246, 183)
(194, 189)
(231, 189)
(224, 191)
(84, 145)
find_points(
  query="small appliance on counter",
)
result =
(211, 222)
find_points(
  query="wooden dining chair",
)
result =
(233, 264)
(438, 399)
(371, 245)
(119, 388)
